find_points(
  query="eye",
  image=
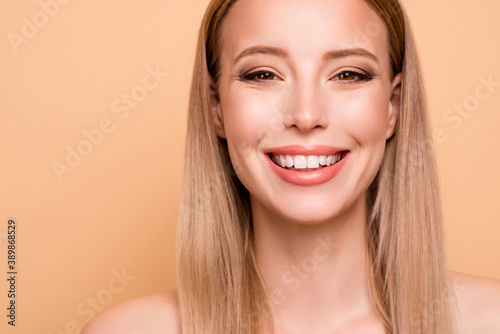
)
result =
(347, 76)
(259, 76)
(353, 76)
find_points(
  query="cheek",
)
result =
(357, 119)
(365, 115)
(252, 119)
(364, 120)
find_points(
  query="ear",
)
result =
(394, 106)
(216, 109)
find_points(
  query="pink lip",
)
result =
(309, 178)
(304, 150)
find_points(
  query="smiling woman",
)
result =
(310, 201)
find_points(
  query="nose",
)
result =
(305, 111)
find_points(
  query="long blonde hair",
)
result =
(220, 290)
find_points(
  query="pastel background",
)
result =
(111, 79)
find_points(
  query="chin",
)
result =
(312, 212)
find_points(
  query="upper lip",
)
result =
(304, 150)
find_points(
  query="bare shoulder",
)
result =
(149, 315)
(478, 301)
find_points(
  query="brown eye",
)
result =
(352, 77)
(347, 76)
(259, 76)
(265, 76)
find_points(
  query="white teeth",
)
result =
(282, 161)
(322, 160)
(312, 161)
(303, 162)
(300, 161)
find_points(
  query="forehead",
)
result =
(306, 29)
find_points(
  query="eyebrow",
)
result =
(267, 50)
(278, 52)
(349, 52)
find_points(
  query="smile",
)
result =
(306, 162)
(306, 165)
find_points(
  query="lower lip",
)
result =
(309, 178)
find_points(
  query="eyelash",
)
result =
(361, 76)
(252, 76)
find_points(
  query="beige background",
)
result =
(116, 210)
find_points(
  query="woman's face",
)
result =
(302, 85)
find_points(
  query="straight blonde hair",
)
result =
(220, 289)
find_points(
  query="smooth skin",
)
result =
(300, 73)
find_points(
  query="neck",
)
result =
(313, 273)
